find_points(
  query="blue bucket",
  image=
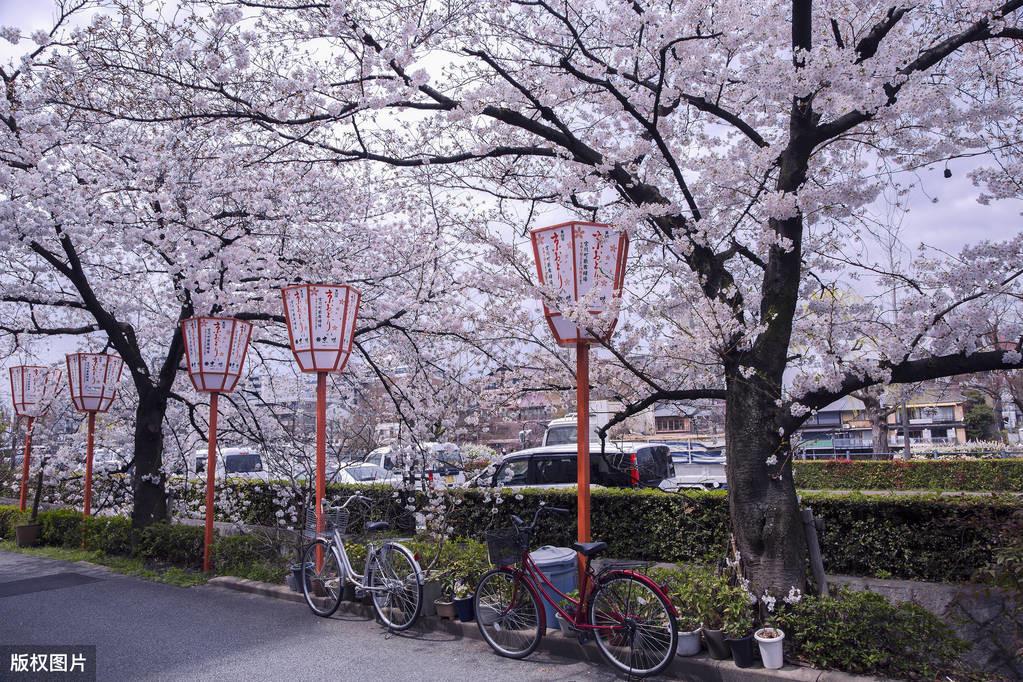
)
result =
(560, 566)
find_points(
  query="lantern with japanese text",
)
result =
(581, 268)
(215, 349)
(321, 329)
(33, 389)
(92, 379)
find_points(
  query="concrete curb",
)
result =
(700, 668)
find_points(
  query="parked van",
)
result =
(234, 463)
(442, 461)
(621, 465)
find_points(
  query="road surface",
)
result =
(150, 631)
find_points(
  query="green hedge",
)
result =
(983, 475)
(923, 537)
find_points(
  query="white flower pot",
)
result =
(688, 643)
(771, 650)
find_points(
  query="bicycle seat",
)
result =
(374, 526)
(589, 549)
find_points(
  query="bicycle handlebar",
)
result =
(357, 496)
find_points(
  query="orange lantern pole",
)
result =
(582, 398)
(25, 456)
(89, 439)
(92, 380)
(321, 330)
(581, 267)
(211, 482)
(33, 388)
(215, 349)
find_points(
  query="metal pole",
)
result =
(582, 397)
(321, 457)
(908, 454)
(211, 477)
(87, 506)
(26, 456)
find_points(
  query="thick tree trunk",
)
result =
(766, 522)
(148, 481)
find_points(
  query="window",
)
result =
(555, 470)
(560, 435)
(200, 465)
(367, 472)
(240, 464)
(672, 423)
(512, 473)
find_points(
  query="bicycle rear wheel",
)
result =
(399, 604)
(637, 630)
(322, 588)
(508, 613)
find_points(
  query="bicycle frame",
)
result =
(350, 574)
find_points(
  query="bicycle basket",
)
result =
(504, 546)
(333, 519)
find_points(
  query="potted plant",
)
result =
(444, 605)
(687, 593)
(295, 577)
(771, 639)
(27, 534)
(738, 627)
(567, 605)
(713, 618)
(463, 594)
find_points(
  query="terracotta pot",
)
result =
(27, 535)
(445, 609)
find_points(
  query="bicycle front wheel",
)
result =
(508, 613)
(322, 587)
(398, 583)
(636, 629)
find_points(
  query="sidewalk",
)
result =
(694, 668)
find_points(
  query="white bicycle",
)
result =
(391, 574)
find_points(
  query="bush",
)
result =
(958, 474)
(108, 534)
(61, 528)
(173, 543)
(249, 556)
(9, 518)
(861, 632)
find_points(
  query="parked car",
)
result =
(622, 465)
(365, 472)
(697, 467)
(105, 461)
(234, 463)
(440, 463)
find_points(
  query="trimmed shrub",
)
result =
(861, 632)
(249, 556)
(108, 534)
(952, 474)
(174, 543)
(9, 518)
(61, 528)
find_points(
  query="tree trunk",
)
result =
(762, 500)
(148, 481)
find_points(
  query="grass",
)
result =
(173, 575)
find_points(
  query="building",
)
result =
(936, 415)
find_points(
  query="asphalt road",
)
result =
(149, 631)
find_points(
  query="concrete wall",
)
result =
(989, 618)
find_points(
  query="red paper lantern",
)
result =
(577, 263)
(321, 324)
(33, 388)
(215, 350)
(92, 379)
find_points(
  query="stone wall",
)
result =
(989, 618)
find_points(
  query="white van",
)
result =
(443, 462)
(234, 463)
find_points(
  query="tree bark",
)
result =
(762, 498)
(147, 480)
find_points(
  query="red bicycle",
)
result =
(628, 615)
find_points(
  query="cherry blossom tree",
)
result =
(755, 152)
